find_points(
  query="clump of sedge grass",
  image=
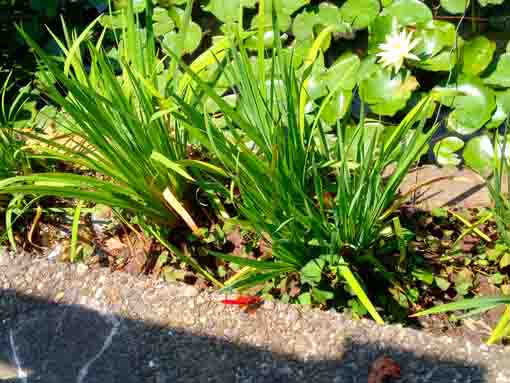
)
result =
(116, 124)
(318, 203)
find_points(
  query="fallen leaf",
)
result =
(236, 239)
(382, 368)
(113, 244)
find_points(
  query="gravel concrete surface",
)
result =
(68, 323)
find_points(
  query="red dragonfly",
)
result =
(249, 303)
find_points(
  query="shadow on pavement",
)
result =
(60, 343)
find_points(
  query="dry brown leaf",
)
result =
(382, 368)
(114, 244)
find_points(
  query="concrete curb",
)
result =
(67, 323)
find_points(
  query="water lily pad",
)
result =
(477, 55)
(163, 23)
(343, 72)
(315, 87)
(359, 13)
(479, 154)
(433, 37)
(138, 5)
(380, 28)
(471, 110)
(445, 149)
(303, 24)
(299, 50)
(228, 11)
(115, 20)
(502, 109)
(337, 107)
(442, 62)
(172, 41)
(501, 76)
(409, 12)
(484, 3)
(387, 93)
(455, 6)
(330, 15)
(283, 8)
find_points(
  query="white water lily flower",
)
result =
(396, 49)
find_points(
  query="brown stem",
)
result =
(480, 19)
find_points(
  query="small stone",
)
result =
(59, 296)
(82, 268)
(99, 293)
(188, 291)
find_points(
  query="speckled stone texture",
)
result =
(67, 323)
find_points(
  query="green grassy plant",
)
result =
(323, 206)
(12, 158)
(115, 122)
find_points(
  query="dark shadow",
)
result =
(468, 193)
(59, 343)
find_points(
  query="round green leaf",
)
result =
(387, 93)
(359, 13)
(172, 41)
(409, 12)
(477, 55)
(303, 24)
(228, 11)
(138, 5)
(114, 20)
(315, 88)
(379, 29)
(445, 149)
(502, 109)
(442, 62)
(337, 107)
(283, 8)
(471, 110)
(329, 15)
(343, 72)
(501, 76)
(484, 3)
(163, 23)
(454, 6)
(433, 37)
(479, 154)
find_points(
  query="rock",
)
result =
(82, 269)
